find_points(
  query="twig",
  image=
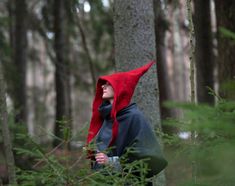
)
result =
(84, 44)
(49, 153)
(76, 162)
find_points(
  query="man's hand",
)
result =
(101, 158)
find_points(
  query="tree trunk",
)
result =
(165, 92)
(203, 51)
(19, 58)
(134, 46)
(5, 132)
(226, 59)
(10, 8)
(62, 76)
(178, 53)
(160, 32)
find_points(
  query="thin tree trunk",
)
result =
(84, 44)
(5, 131)
(165, 93)
(163, 77)
(192, 50)
(63, 103)
(192, 78)
(225, 15)
(10, 7)
(203, 51)
(19, 57)
(134, 40)
(69, 87)
(178, 53)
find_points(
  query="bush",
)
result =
(210, 148)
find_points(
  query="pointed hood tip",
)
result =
(142, 70)
(152, 62)
(148, 65)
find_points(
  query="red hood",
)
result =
(123, 84)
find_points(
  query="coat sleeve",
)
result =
(145, 145)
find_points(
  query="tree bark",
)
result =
(135, 46)
(225, 17)
(163, 77)
(203, 52)
(134, 42)
(5, 131)
(19, 58)
(191, 50)
(165, 92)
(178, 53)
(10, 8)
(62, 76)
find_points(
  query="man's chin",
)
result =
(107, 98)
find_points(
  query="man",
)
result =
(117, 125)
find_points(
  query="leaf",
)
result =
(227, 33)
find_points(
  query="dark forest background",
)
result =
(53, 51)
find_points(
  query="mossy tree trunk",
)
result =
(5, 131)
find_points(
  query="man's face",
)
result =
(108, 92)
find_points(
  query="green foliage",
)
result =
(55, 172)
(229, 88)
(227, 33)
(209, 150)
(61, 167)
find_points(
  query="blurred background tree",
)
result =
(225, 60)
